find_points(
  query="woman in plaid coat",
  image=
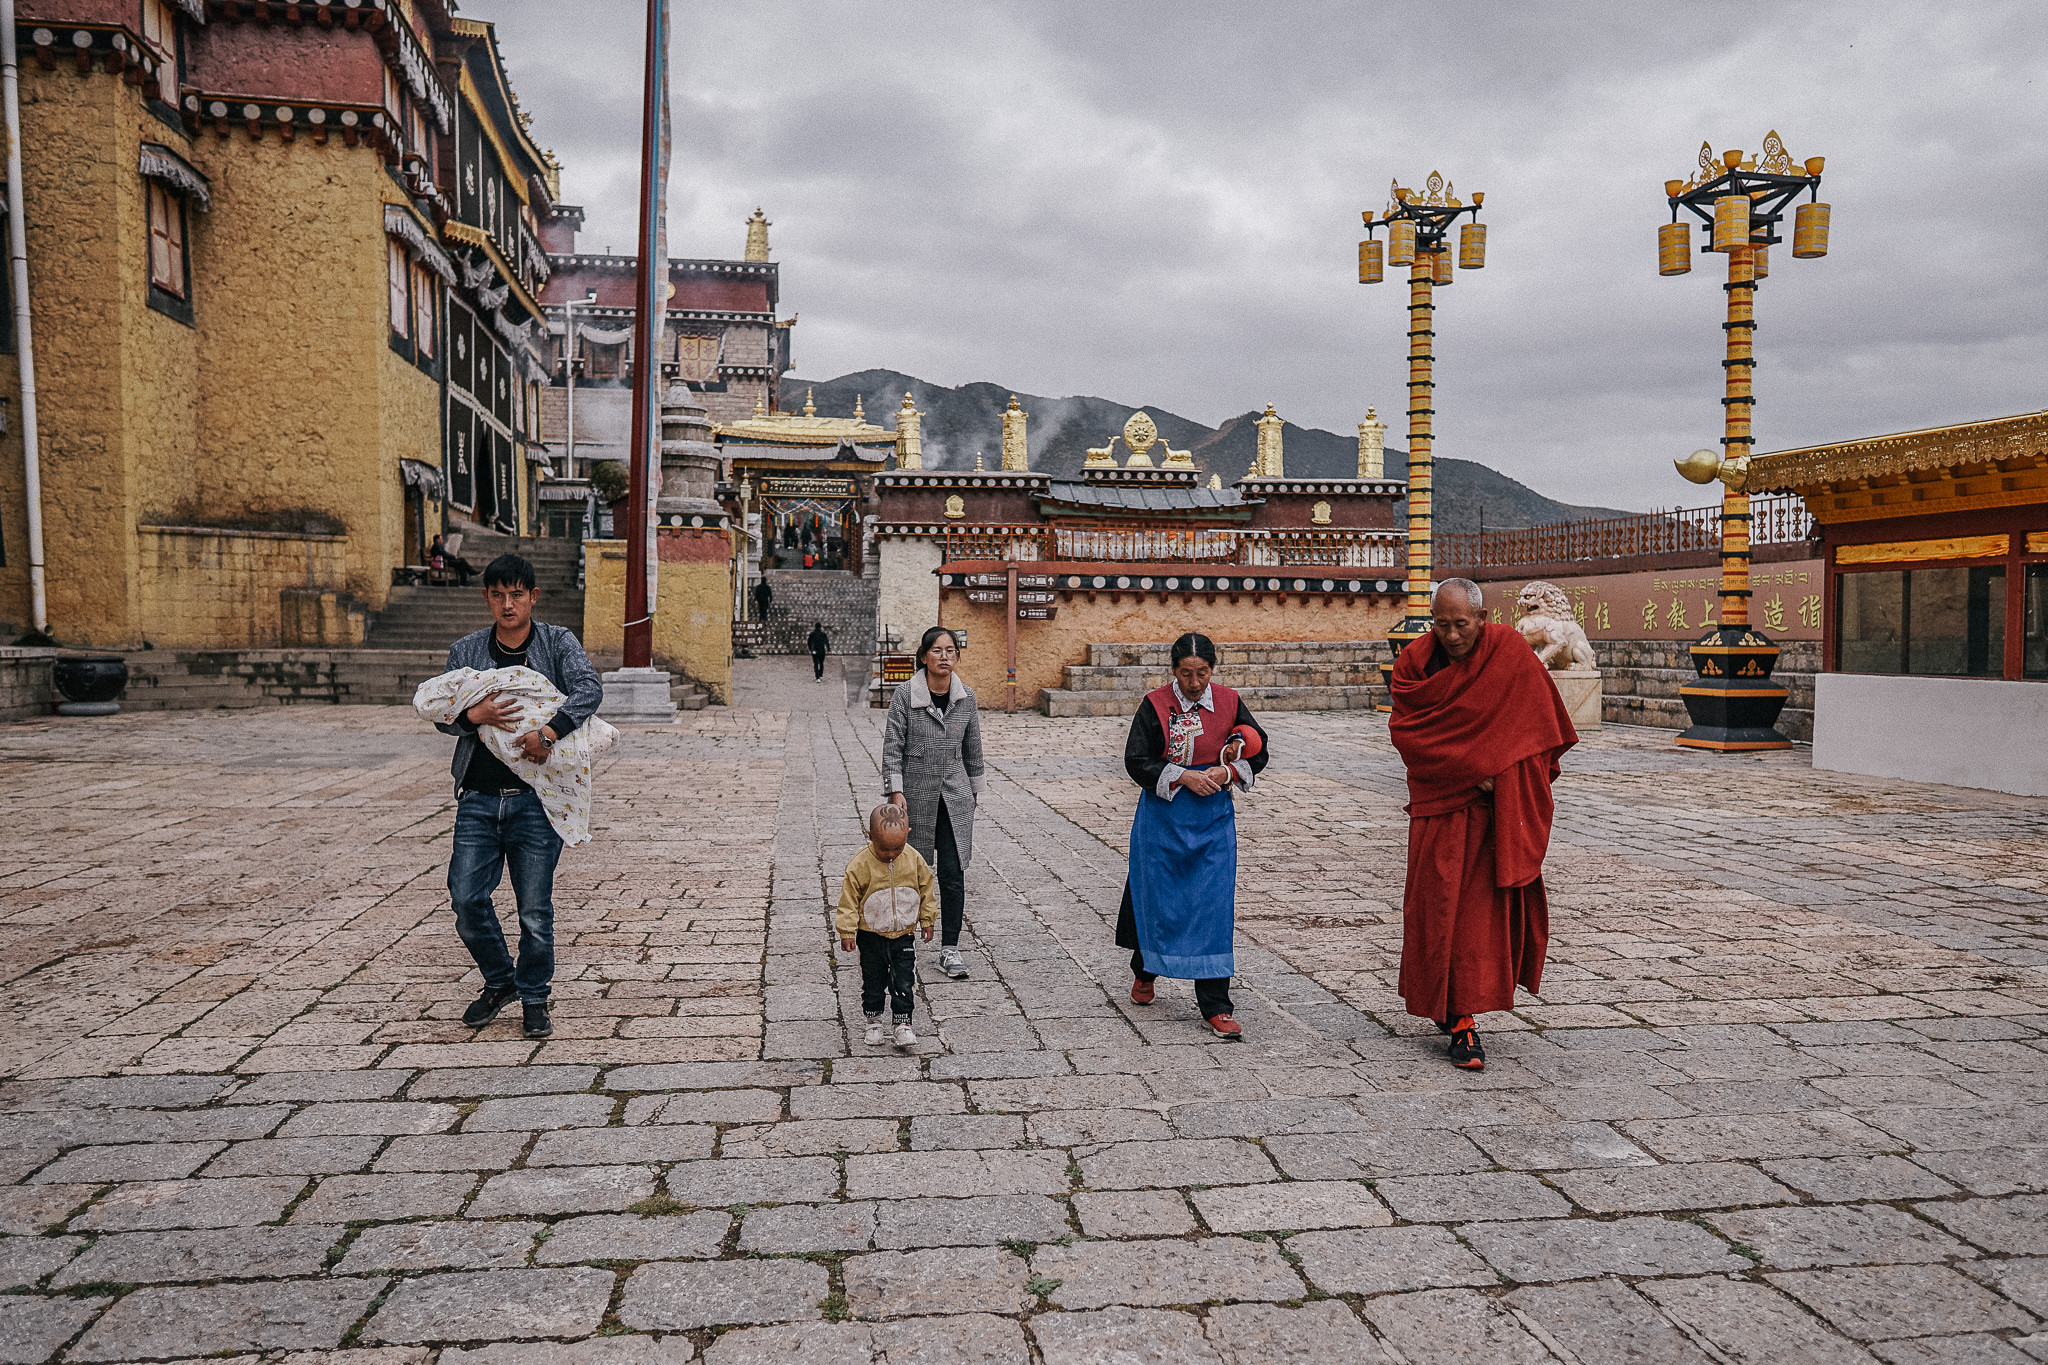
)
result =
(931, 767)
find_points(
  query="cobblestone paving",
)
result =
(1785, 1096)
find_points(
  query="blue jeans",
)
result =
(490, 833)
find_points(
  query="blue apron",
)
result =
(1184, 883)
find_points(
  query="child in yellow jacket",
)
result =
(889, 890)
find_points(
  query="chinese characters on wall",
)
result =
(1785, 601)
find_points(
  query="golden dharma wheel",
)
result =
(1472, 246)
(1731, 222)
(1674, 249)
(1440, 266)
(1810, 231)
(1401, 242)
(1372, 261)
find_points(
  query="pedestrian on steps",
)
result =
(931, 767)
(819, 647)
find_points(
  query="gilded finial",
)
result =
(757, 236)
(760, 405)
(977, 462)
(858, 415)
(1216, 483)
(810, 408)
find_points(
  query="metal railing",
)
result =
(1357, 549)
(1778, 519)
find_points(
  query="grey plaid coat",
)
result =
(932, 756)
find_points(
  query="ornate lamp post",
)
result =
(1733, 703)
(1417, 227)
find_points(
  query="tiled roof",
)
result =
(1139, 498)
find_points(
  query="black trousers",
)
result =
(817, 665)
(952, 881)
(1212, 994)
(887, 965)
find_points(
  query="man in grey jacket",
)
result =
(498, 818)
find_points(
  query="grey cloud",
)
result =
(1158, 202)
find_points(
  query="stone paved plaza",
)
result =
(1784, 1097)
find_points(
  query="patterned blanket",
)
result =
(563, 781)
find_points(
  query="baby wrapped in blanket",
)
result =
(563, 781)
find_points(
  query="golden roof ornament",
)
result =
(757, 236)
(909, 436)
(977, 463)
(1216, 483)
(858, 415)
(810, 408)
(1268, 462)
(1016, 445)
(1140, 434)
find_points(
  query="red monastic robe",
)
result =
(1475, 920)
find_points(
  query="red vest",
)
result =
(1216, 725)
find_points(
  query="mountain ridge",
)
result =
(963, 421)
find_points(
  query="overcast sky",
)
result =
(1158, 203)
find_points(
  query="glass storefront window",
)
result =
(1937, 622)
(2034, 654)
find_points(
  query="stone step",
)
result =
(1058, 701)
(844, 604)
(1139, 680)
(1157, 655)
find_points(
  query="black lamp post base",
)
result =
(1404, 633)
(1732, 703)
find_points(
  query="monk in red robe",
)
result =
(1480, 726)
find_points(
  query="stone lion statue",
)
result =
(1546, 622)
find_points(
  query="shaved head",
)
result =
(1475, 596)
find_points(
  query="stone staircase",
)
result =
(1641, 679)
(844, 603)
(205, 680)
(1290, 675)
(425, 617)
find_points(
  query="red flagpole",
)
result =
(648, 316)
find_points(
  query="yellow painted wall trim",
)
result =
(484, 121)
(1912, 551)
(477, 237)
(2037, 542)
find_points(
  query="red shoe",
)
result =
(1226, 1028)
(1141, 992)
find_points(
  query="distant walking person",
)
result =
(764, 598)
(819, 647)
(499, 820)
(1480, 728)
(931, 767)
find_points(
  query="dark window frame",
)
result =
(1994, 616)
(173, 306)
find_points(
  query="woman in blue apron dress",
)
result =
(1190, 743)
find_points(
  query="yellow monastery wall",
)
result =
(692, 617)
(115, 379)
(1044, 648)
(306, 407)
(283, 399)
(200, 588)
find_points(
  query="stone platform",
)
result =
(1781, 1098)
(1300, 675)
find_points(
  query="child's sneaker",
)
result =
(874, 1036)
(904, 1036)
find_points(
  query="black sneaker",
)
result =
(538, 1025)
(1466, 1052)
(486, 1006)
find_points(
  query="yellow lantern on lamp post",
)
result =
(1418, 225)
(1733, 703)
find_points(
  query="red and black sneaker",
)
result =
(1226, 1028)
(1142, 992)
(1466, 1053)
